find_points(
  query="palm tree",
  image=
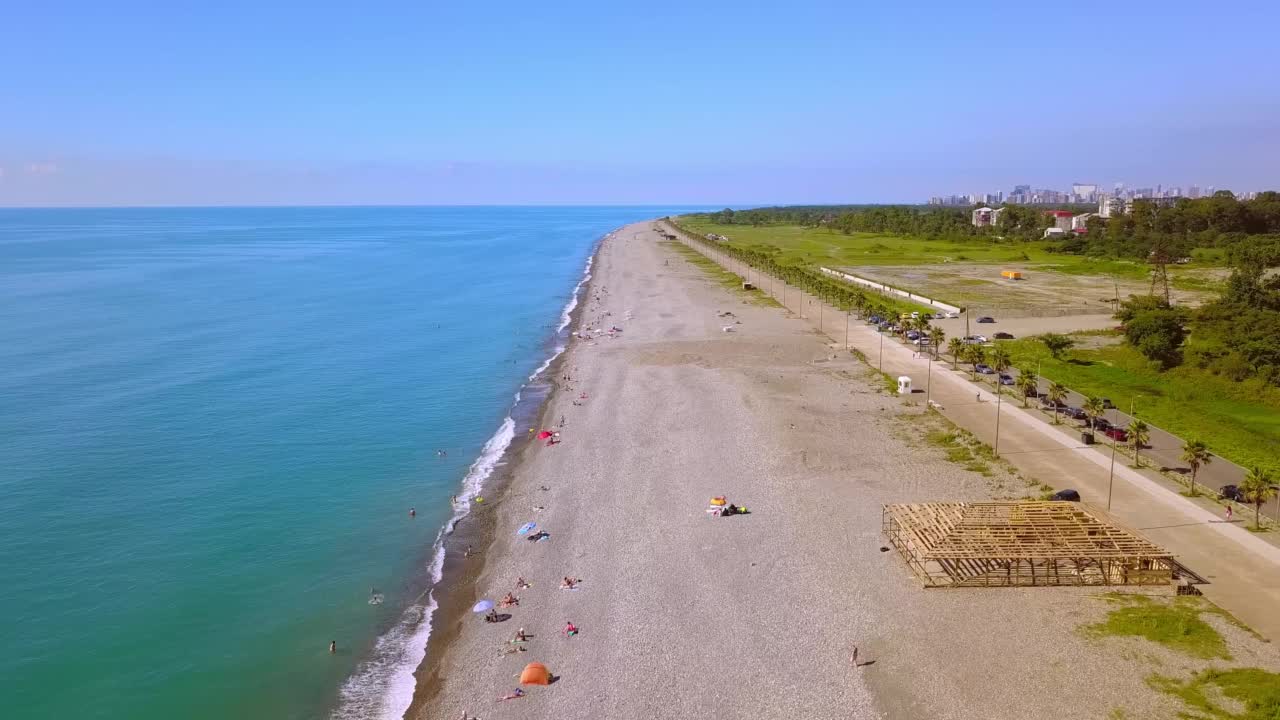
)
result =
(1139, 434)
(936, 336)
(1094, 408)
(1196, 454)
(956, 347)
(1057, 394)
(1028, 383)
(975, 354)
(1257, 488)
(1000, 361)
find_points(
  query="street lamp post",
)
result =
(928, 390)
(1112, 477)
(996, 449)
(846, 331)
(882, 351)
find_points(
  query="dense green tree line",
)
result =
(1017, 221)
(1237, 227)
(1237, 335)
(1178, 230)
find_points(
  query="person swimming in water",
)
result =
(333, 647)
(413, 512)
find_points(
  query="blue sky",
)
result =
(143, 103)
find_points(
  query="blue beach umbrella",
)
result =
(482, 606)
(525, 528)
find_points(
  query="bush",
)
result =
(1158, 334)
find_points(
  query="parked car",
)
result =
(1102, 424)
(1006, 379)
(979, 339)
(1067, 495)
(986, 319)
(1076, 413)
(922, 341)
(1117, 434)
(875, 319)
(1231, 492)
(984, 369)
(1002, 336)
(1051, 404)
(927, 316)
(912, 334)
(951, 315)
(1106, 403)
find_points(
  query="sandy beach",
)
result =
(685, 615)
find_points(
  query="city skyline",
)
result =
(1085, 193)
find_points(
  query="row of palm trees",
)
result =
(840, 294)
(1257, 488)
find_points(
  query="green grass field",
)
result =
(1177, 625)
(1239, 421)
(820, 246)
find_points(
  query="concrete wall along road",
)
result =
(889, 290)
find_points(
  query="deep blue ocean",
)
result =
(213, 423)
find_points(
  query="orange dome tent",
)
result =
(535, 673)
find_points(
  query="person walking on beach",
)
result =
(1229, 511)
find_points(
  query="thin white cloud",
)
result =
(42, 168)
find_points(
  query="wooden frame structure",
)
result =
(1011, 544)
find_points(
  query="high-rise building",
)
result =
(1193, 192)
(1084, 192)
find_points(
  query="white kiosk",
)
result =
(904, 385)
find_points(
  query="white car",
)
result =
(951, 315)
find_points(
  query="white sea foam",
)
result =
(567, 314)
(382, 687)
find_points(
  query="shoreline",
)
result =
(443, 597)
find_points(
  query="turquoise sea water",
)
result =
(213, 423)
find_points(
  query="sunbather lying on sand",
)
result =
(509, 601)
(521, 583)
(569, 583)
(517, 693)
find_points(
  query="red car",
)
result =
(1117, 434)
